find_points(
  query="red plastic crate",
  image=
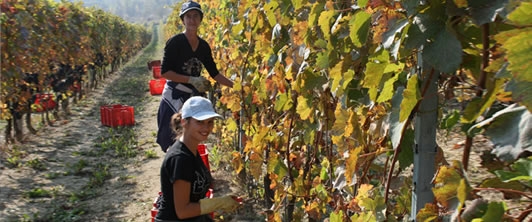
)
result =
(202, 150)
(117, 115)
(156, 70)
(45, 101)
(157, 86)
(153, 63)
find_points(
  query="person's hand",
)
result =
(226, 204)
(200, 83)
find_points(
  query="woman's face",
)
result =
(198, 130)
(192, 19)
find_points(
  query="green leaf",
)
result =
(521, 15)
(410, 98)
(519, 56)
(315, 12)
(495, 212)
(322, 61)
(449, 121)
(510, 131)
(522, 171)
(476, 108)
(396, 126)
(282, 102)
(336, 216)
(388, 89)
(444, 52)
(269, 10)
(406, 156)
(375, 72)
(324, 22)
(485, 11)
(359, 28)
(521, 92)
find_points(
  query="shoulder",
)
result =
(176, 38)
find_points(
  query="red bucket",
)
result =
(157, 86)
(156, 70)
(202, 151)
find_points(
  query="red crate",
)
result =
(43, 102)
(157, 86)
(153, 63)
(202, 150)
(117, 115)
(156, 70)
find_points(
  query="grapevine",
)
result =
(318, 84)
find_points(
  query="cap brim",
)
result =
(206, 115)
(191, 8)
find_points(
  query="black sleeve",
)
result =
(208, 60)
(178, 168)
(171, 55)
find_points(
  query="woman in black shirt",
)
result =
(185, 179)
(185, 55)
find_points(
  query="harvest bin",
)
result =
(202, 151)
(153, 63)
(156, 70)
(44, 102)
(117, 115)
(157, 86)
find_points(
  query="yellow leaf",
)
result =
(303, 108)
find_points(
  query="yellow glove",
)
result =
(225, 204)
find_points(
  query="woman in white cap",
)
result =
(185, 54)
(185, 179)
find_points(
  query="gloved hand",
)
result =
(200, 83)
(225, 204)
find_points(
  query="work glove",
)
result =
(226, 204)
(200, 83)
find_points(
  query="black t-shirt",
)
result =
(181, 164)
(179, 57)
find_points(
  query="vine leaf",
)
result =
(450, 187)
(236, 162)
(303, 107)
(375, 71)
(444, 53)
(396, 126)
(494, 213)
(359, 28)
(475, 108)
(522, 171)
(521, 15)
(510, 131)
(411, 96)
(428, 213)
(351, 165)
(483, 11)
(324, 22)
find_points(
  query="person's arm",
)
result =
(223, 80)
(183, 207)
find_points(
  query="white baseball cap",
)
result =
(199, 108)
